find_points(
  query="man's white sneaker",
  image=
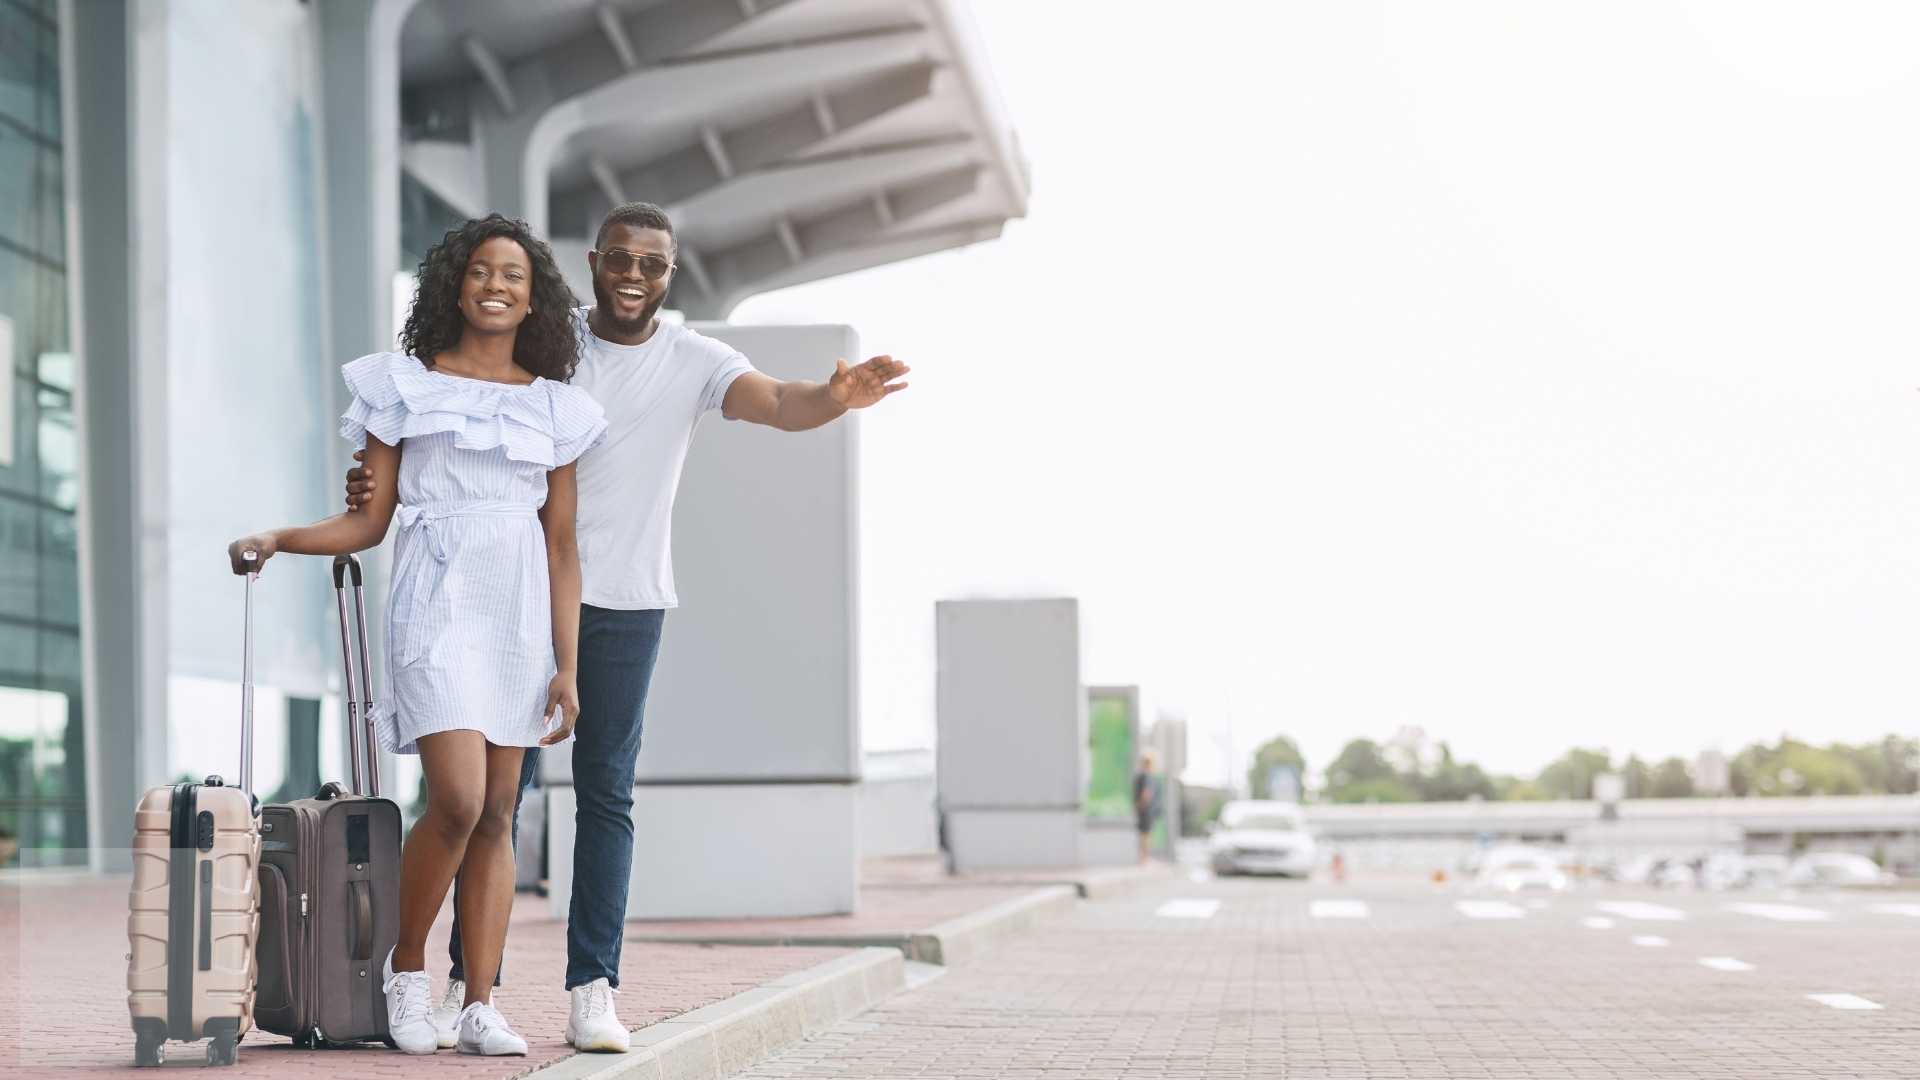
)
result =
(591, 1023)
(446, 1018)
(484, 1031)
(409, 1009)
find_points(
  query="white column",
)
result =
(359, 65)
(116, 178)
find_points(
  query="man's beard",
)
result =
(635, 325)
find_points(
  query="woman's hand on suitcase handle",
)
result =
(360, 482)
(564, 692)
(263, 545)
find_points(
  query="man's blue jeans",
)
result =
(617, 651)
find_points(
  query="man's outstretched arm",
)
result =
(798, 406)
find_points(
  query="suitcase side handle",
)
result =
(364, 767)
(362, 891)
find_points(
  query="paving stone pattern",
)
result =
(1415, 989)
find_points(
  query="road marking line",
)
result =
(1844, 1001)
(1188, 909)
(1725, 963)
(1595, 922)
(1640, 909)
(1199, 877)
(1338, 909)
(1651, 941)
(1489, 909)
(1897, 909)
(1782, 912)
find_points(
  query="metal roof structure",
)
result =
(790, 140)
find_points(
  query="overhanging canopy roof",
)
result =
(790, 139)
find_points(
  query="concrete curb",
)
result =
(1121, 881)
(952, 942)
(961, 939)
(718, 1040)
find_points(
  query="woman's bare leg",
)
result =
(456, 769)
(486, 875)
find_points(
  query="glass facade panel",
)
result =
(42, 780)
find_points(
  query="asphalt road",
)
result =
(1395, 977)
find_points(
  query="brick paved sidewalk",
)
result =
(63, 995)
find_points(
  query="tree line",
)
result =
(1366, 771)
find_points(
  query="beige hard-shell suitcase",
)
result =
(194, 920)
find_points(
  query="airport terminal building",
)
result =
(206, 207)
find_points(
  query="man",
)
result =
(1146, 802)
(655, 380)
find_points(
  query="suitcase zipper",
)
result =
(313, 932)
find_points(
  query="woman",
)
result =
(476, 419)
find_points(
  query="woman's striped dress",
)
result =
(469, 615)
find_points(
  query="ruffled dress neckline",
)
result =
(396, 397)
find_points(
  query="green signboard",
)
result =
(1110, 725)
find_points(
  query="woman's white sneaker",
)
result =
(446, 1018)
(484, 1031)
(409, 1009)
(591, 1023)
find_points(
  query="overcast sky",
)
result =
(1537, 373)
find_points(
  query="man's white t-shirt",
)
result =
(654, 395)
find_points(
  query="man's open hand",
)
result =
(359, 483)
(859, 387)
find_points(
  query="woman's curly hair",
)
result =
(545, 344)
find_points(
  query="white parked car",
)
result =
(1260, 837)
(1674, 874)
(1731, 870)
(1767, 871)
(1521, 869)
(1837, 868)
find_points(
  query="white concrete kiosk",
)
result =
(1012, 732)
(746, 803)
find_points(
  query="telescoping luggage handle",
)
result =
(364, 765)
(252, 559)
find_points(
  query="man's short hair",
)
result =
(640, 215)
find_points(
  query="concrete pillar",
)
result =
(359, 62)
(1012, 732)
(116, 174)
(516, 149)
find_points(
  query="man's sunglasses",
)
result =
(619, 260)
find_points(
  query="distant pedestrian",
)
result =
(1146, 800)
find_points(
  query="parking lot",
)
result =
(1395, 976)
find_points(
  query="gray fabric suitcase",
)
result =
(330, 881)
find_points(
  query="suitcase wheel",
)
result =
(223, 1051)
(149, 1043)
